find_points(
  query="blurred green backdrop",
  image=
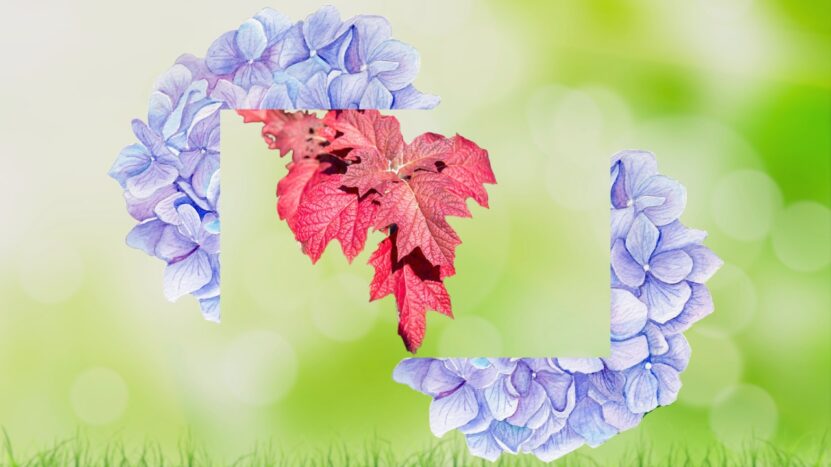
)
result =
(733, 96)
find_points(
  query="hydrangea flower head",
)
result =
(551, 406)
(171, 176)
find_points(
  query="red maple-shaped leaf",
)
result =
(301, 133)
(416, 284)
(329, 212)
(352, 171)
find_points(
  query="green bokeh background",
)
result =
(734, 97)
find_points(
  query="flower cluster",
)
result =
(171, 176)
(552, 406)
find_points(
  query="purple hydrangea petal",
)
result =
(146, 236)
(543, 433)
(376, 96)
(618, 415)
(674, 197)
(154, 177)
(174, 246)
(629, 315)
(625, 354)
(705, 264)
(250, 74)
(453, 411)
(369, 33)
(641, 390)
(314, 95)
(277, 97)
(587, 421)
(626, 269)
(678, 355)
(638, 166)
(665, 301)
(529, 404)
(672, 266)
(412, 372)
(642, 239)
(166, 211)
(187, 275)
(697, 307)
(557, 387)
(509, 436)
(500, 401)
(143, 208)
(251, 40)
(395, 64)
(411, 98)
(131, 161)
(274, 23)
(321, 27)
(346, 90)
(669, 383)
(559, 444)
(675, 236)
(293, 48)
(223, 57)
(440, 380)
(210, 309)
(657, 341)
(484, 445)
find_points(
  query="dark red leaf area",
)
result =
(352, 171)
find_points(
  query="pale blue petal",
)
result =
(557, 387)
(705, 264)
(657, 341)
(697, 307)
(143, 208)
(665, 301)
(223, 57)
(376, 96)
(484, 445)
(314, 94)
(501, 403)
(277, 97)
(529, 404)
(452, 411)
(210, 309)
(165, 209)
(642, 239)
(625, 354)
(674, 197)
(131, 161)
(678, 355)
(587, 421)
(439, 380)
(641, 390)
(669, 383)
(411, 98)
(626, 269)
(629, 315)
(558, 445)
(346, 90)
(146, 236)
(274, 24)
(395, 63)
(671, 267)
(369, 33)
(618, 415)
(321, 27)
(187, 275)
(509, 436)
(250, 74)
(173, 245)
(155, 177)
(675, 236)
(521, 379)
(412, 372)
(251, 40)
(637, 167)
(292, 47)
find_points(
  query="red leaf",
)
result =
(418, 207)
(328, 213)
(416, 285)
(301, 133)
(290, 189)
(352, 171)
(366, 129)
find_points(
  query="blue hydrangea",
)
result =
(171, 176)
(551, 406)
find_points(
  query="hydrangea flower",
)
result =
(552, 406)
(171, 176)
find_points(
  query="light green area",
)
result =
(719, 90)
